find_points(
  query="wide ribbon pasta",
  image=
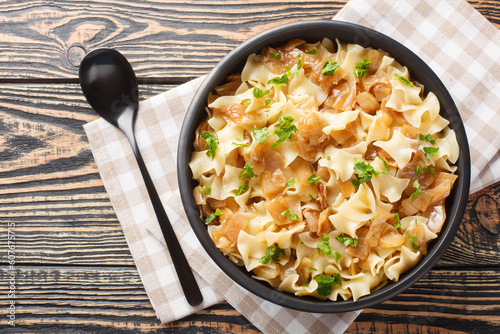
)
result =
(323, 168)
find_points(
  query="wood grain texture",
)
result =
(170, 41)
(74, 269)
(52, 190)
(111, 300)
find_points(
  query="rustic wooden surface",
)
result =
(74, 272)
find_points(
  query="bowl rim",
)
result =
(366, 37)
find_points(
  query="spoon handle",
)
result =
(184, 272)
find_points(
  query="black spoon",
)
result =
(110, 86)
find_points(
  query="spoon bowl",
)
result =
(109, 91)
(110, 86)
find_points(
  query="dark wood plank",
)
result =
(51, 188)
(166, 40)
(110, 300)
(52, 191)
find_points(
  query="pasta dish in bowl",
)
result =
(315, 170)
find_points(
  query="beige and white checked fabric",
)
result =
(454, 39)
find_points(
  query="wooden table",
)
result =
(73, 270)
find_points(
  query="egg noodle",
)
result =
(323, 168)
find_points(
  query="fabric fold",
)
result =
(458, 43)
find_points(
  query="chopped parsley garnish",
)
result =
(428, 138)
(313, 179)
(241, 143)
(366, 171)
(212, 216)
(290, 182)
(290, 74)
(299, 62)
(329, 69)
(398, 221)
(279, 81)
(205, 190)
(284, 130)
(312, 52)
(326, 283)
(328, 158)
(276, 55)
(362, 68)
(260, 134)
(430, 152)
(347, 240)
(386, 166)
(413, 240)
(212, 143)
(312, 269)
(417, 192)
(304, 281)
(268, 101)
(419, 170)
(258, 93)
(241, 189)
(247, 171)
(312, 197)
(292, 215)
(272, 253)
(324, 247)
(402, 79)
(245, 101)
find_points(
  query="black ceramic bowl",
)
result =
(313, 31)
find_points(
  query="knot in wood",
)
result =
(75, 55)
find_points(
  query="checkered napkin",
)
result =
(461, 46)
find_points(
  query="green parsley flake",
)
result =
(290, 182)
(247, 171)
(430, 152)
(304, 281)
(268, 101)
(312, 269)
(324, 247)
(362, 68)
(241, 143)
(284, 130)
(212, 216)
(417, 192)
(398, 221)
(402, 79)
(329, 69)
(211, 143)
(292, 215)
(299, 62)
(258, 93)
(365, 172)
(241, 189)
(326, 283)
(245, 101)
(276, 55)
(419, 170)
(328, 158)
(313, 179)
(279, 81)
(260, 134)
(413, 240)
(347, 240)
(312, 197)
(428, 138)
(386, 166)
(312, 52)
(205, 190)
(272, 253)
